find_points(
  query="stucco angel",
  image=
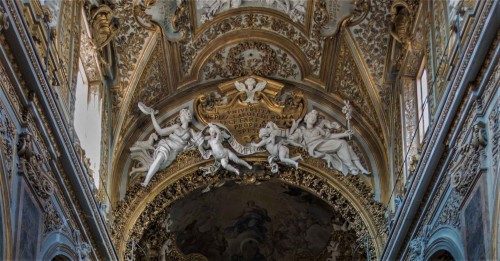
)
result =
(250, 87)
(331, 147)
(221, 154)
(175, 139)
(275, 141)
(142, 152)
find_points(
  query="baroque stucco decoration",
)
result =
(278, 48)
(314, 135)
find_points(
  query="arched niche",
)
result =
(58, 246)
(441, 255)
(443, 243)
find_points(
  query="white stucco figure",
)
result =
(331, 147)
(275, 141)
(209, 8)
(175, 139)
(250, 87)
(221, 154)
(143, 152)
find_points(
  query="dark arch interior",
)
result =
(60, 258)
(270, 221)
(442, 255)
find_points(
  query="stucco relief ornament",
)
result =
(82, 248)
(250, 87)
(401, 24)
(331, 147)
(174, 139)
(211, 7)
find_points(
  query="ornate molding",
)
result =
(7, 140)
(470, 160)
(179, 179)
(249, 58)
(34, 166)
(191, 46)
(188, 182)
(55, 116)
(4, 20)
(418, 244)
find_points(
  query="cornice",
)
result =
(434, 144)
(56, 123)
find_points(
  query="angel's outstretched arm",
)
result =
(294, 143)
(261, 143)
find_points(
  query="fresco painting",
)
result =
(272, 221)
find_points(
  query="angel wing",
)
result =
(145, 109)
(260, 86)
(240, 86)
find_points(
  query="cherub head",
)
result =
(311, 117)
(185, 116)
(250, 83)
(213, 130)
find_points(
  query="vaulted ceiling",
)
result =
(168, 51)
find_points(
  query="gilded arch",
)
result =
(348, 194)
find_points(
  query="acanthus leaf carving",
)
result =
(52, 220)
(471, 159)
(419, 244)
(33, 166)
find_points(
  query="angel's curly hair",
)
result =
(185, 112)
(311, 114)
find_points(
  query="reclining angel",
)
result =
(331, 147)
(275, 140)
(175, 139)
(221, 154)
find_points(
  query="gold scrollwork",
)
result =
(245, 119)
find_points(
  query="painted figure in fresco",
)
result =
(275, 140)
(221, 154)
(176, 139)
(331, 147)
(253, 218)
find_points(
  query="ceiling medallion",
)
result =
(249, 58)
